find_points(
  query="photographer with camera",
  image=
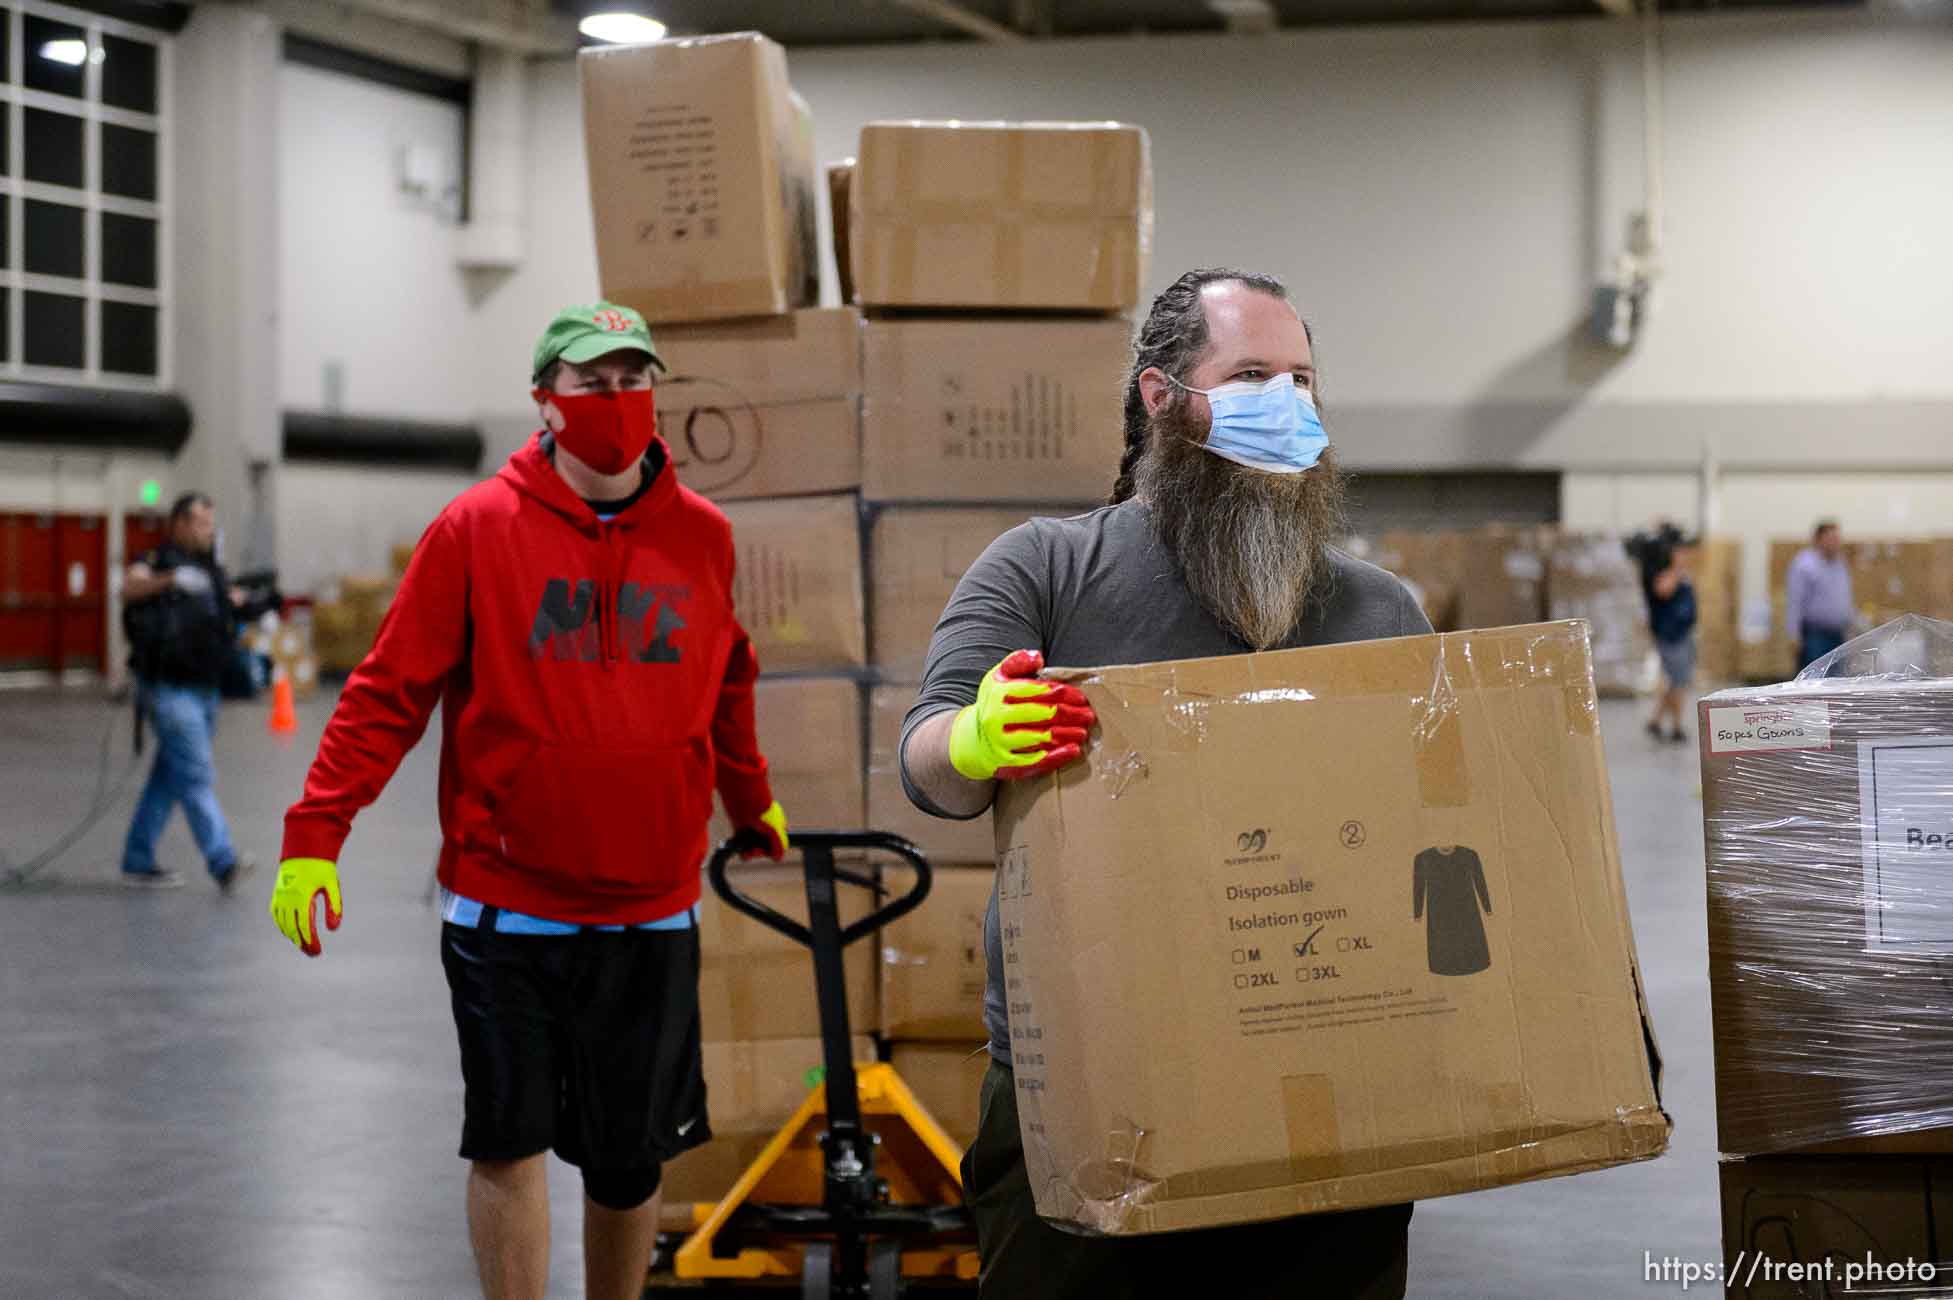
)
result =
(1671, 619)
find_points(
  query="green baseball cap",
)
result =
(590, 330)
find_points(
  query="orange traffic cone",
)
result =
(284, 718)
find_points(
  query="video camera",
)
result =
(1654, 550)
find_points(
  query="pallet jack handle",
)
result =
(819, 846)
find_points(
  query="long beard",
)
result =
(1251, 546)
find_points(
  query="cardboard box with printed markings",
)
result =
(764, 408)
(797, 589)
(1792, 1225)
(1322, 929)
(992, 409)
(701, 177)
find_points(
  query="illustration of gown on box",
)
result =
(1449, 883)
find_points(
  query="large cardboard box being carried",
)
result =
(701, 177)
(1792, 1226)
(992, 409)
(943, 841)
(1321, 929)
(916, 557)
(932, 960)
(754, 982)
(1028, 215)
(1828, 815)
(751, 1089)
(797, 589)
(810, 731)
(764, 408)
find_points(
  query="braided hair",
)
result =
(1173, 337)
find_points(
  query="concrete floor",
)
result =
(188, 1108)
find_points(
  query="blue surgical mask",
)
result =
(1271, 427)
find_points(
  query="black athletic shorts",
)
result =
(585, 1044)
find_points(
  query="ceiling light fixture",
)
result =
(622, 28)
(69, 50)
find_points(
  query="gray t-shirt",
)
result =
(1100, 589)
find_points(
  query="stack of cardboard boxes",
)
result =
(1826, 819)
(865, 457)
(702, 184)
(995, 263)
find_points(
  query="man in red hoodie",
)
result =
(573, 618)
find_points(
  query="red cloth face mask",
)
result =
(609, 432)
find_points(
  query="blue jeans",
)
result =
(184, 719)
(1818, 642)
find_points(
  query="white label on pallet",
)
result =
(1905, 795)
(1757, 729)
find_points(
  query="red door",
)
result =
(81, 592)
(28, 621)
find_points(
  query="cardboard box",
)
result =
(751, 1089)
(932, 960)
(1592, 577)
(916, 558)
(768, 407)
(701, 177)
(1829, 926)
(810, 732)
(1785, 1220)
(947, 1078)
(1038, 215)
(992, 409)
(1321, 929)
(944, 842)
(797, 590)
(840, 183)
(757, 984)
(1503, 578)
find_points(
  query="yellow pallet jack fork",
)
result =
(860, 1193)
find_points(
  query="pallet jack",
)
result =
(860, 1193)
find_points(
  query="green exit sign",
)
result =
(151, 492)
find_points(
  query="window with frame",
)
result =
(84, 276)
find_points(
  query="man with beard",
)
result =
(1217, 541)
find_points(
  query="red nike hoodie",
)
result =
(594, 686)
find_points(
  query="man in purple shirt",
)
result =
(1819, 608)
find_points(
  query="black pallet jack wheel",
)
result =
(817, 1271)
(884, 1270)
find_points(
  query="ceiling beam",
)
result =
(525, 26)
(951, 14)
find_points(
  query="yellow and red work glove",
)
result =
(772, 827)
(302, 882)
(1019, 726)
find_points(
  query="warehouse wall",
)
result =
(371, 287)
(370, 281)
